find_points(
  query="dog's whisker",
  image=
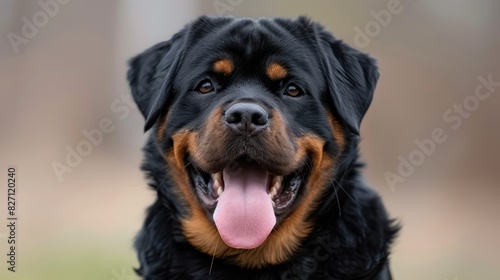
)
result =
(188, 163)
(213, 256)
(308, 158)
(336, 195)
(340, 186)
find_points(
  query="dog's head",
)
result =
(253, 119)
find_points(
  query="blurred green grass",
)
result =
(110, 260)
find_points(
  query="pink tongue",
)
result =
(244, 214)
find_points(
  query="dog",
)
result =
(253, 154)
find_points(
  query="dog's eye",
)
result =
(205, 87)
(293, 90)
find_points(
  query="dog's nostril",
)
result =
(259, 119)
(233, 117)
(246, 117)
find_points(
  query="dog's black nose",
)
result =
(246, 118)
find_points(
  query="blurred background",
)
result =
(62, 78)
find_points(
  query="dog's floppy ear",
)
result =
(150, 76)
(151, 73)
(351, 77)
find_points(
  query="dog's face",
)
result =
(252, 118)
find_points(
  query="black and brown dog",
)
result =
(254, 156)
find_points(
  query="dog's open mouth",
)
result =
(246, 201)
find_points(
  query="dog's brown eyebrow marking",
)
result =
(276, 71)
(224, 66)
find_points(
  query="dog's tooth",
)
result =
(271, 195)
(216, 184)
(277, 180)
(273, 192)
(217, 176)
(277, 186)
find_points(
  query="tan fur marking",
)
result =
(286, 237)
(338, 132)
(183, 141)
(224, 66)
(162, 126)
(275, 71)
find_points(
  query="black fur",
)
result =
(352, 232)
